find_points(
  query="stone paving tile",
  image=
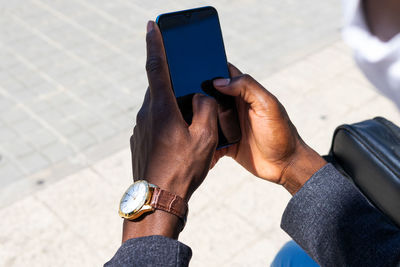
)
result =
(17, 148)
(39, 139)
(33, 162)
(78, 210)
(7, 134)
(82, 140)
(57, 152)
(259, 203)
(45, 241)
(9, 172)
(210, 248)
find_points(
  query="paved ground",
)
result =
(71, 82)
(72, 76)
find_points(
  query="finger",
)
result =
(219, 153)
(229, 151)
(245, 87)
(205, 115)
(156, 65)
(233, 71)
(141, 115)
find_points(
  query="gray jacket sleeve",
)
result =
(336, 225)
(151, 251)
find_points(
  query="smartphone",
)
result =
(196, 56)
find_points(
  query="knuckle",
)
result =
(210, 102)
(207, 136)
(206, 101)
(154, 63)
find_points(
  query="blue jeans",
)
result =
(292, 255)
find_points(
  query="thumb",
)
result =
(245, 87)
(204, 115)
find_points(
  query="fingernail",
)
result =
(150, 26)
(221, 82)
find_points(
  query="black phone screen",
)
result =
(196, 56)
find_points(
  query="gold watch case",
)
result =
(144, 208)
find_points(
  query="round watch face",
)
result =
(135, 197)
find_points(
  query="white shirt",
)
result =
(380, 61)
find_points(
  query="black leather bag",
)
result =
(368, 153)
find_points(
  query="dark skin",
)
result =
(165, 150)
(382, 17)
(270, 147)
(176, 156)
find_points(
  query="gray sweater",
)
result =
(328, 218)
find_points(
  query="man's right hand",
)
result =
(270, 147)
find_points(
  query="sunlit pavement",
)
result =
(71, 81)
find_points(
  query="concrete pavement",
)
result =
(72, 72)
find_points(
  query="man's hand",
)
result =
(165, 150)
(270, 146)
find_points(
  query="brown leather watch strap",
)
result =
(169, 202)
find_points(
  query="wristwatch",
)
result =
(142, 197)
